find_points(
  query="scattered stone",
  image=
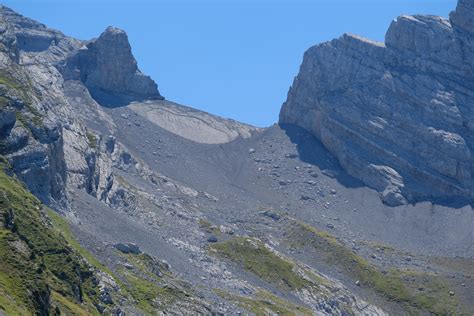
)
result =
(291, 156)
(128, 266)
(357, 283)
(105, 296)
(330, 226)
(212, 238)
(251, 151)
(282, 182)
(333, 192)
(128, 248)
(305, 197)
(392, 197)
(272, 215)
(451, 293)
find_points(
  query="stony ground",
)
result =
(255, 187)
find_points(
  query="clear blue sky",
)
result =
(234, 58)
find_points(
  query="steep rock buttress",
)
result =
(397, 115)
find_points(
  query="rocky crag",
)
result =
(397, 115)
(167, 209)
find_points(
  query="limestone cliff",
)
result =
(397, 115)
(107, 67)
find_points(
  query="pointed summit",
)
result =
(462, 18)
(107, 67)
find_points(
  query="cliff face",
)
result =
(107, 67)
(42, 132)
(397, 115)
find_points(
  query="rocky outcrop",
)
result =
(109, 70)
(41, 133)
(397, 115)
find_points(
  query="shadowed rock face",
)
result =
(107, 67)
(397, 115)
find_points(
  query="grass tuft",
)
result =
(415, 290)
(253, 256)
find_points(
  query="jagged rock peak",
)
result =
(397, 116)
(107, 67)
(463, 18)
(8, 16)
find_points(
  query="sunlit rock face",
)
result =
(397, 115)
(109, 70)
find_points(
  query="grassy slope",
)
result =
(416, 291)
(255, 257)
(39, 270)
(252, 255)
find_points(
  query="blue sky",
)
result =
(232, 58)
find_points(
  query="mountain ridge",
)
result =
(180, 211)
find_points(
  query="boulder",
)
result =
(128, 248)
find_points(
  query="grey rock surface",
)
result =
(174, 181)
(192, 124)
(397, 115)
(107, 67)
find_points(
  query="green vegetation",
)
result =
(23, 91)
(415, 290)
(252, 254)
(209, 227)
(62, 225)
(151, 285)
(4, 101)
(92, 140)
(265, 303)
(7, 80)
(37, 265)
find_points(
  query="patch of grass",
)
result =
(66, 306)
(398, 286)
(154, 288)
(92, 139)
(61, 224)
(7, 80)
(151, 293)
(265, 303)
(36, 259)
(253, 256)
(4, 101)
(23, 91)
(209, 227)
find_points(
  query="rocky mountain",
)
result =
(397, 115)
(116, 201)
